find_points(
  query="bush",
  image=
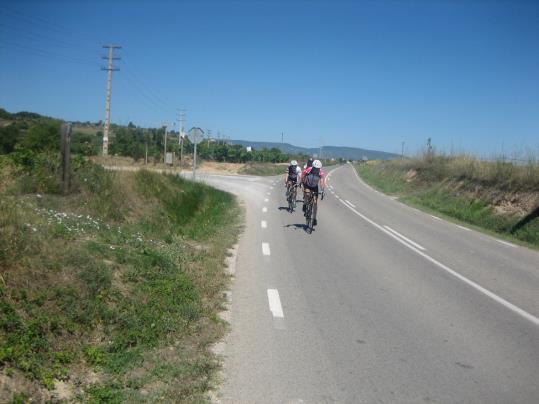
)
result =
(9, 137)
(42, 136)
(85, 144)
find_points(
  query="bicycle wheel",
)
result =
(290, 204)
(308, 216)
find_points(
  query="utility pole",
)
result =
(166, 125)
(109, 69)
(282, 137)
(182, 135)
(402, 151)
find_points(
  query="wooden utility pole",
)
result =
(65, 134)
(109, 69)
(146, 139)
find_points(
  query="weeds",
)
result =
(264, 169)
(108, 278)
(491, 195)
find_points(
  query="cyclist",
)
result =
(293, 172)
(309, 163)
(311, 178)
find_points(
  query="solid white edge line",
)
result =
(264, 224)
(435, 217)
(275, 303)
(266, 249)
(462, 227)
(264, 209)
(506, 243)
(350, 203)
(528, 316)
(405, 238)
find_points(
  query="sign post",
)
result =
(195, 136)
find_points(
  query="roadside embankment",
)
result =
(110, 293)
(498, 197)
(203, 167)
(263, 169)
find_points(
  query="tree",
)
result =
(42, 135)
(9, 137)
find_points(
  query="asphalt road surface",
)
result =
(380, 304)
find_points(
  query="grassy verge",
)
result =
(110, 293)
(263, 169)
(496, 205)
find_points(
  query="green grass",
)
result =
(263, 169)
(123, 278)
(459, 198)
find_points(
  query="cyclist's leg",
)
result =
(315, 207)
(306, 196)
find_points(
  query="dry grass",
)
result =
(497, 196)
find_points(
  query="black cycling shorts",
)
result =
(293, 179)
(314, 190)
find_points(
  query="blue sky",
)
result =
(366, 74)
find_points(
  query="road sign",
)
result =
(195, 135)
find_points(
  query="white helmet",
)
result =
(317, 164)
(293, 163)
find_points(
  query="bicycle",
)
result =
(309, 207)
(291, 194)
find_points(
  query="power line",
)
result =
(47, 24)
(41, 37)
(129, 69)
(45, 53)
(131, 84)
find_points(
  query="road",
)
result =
(381, 304)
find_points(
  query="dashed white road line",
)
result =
(405, 238)
(264, 224)
(350, 203)
(268, 193)
(462, 227)
(266, 249)
(528, 316)
(435, 217)
(275, 303)
(264, 209)
(506, 243)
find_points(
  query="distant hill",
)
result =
(350, 153)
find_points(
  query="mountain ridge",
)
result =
(345, 152)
